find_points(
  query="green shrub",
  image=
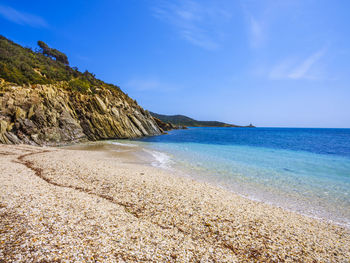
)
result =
(79, 85)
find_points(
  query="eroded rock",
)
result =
(53, 115)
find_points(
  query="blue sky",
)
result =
(270, 63)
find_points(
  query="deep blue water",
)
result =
(315, 140)
(306, 170)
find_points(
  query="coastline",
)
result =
(91, 205)
(309, 183)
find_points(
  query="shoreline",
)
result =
(141, 154)
(301, 206)
(164, 217)
(200, 179)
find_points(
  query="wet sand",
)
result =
(64, 205)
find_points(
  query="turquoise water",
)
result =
(304, 170)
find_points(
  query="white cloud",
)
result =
(302, 70)
(257, 21)
(282, 69)
(297, 69)
(256, 32)
(21, 18)
(195, 22)
(261, 17)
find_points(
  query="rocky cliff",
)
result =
(44, 101)
(51, 114)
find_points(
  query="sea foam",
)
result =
(160, 159)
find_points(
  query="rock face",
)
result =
(53, 115)
(167, 126)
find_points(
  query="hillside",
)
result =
(182, 120)
(44, 101)
(45, 66)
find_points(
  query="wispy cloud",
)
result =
(292, 68)
(21, 18)
(257, 21)
(196, 21)
(302, 70)
(261, 18)
(256, 32)
(283, 69)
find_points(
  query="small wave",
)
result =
(162, 160)
(124, 144)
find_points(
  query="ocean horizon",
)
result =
(306, 170)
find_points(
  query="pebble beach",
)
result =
(63, 205)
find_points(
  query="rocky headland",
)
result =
(44, 101)
(52, 115)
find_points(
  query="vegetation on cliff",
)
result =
(46, 65)
(181, 120)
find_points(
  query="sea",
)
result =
(306, 170)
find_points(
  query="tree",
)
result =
(53, 53)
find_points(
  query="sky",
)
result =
(271, 63)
